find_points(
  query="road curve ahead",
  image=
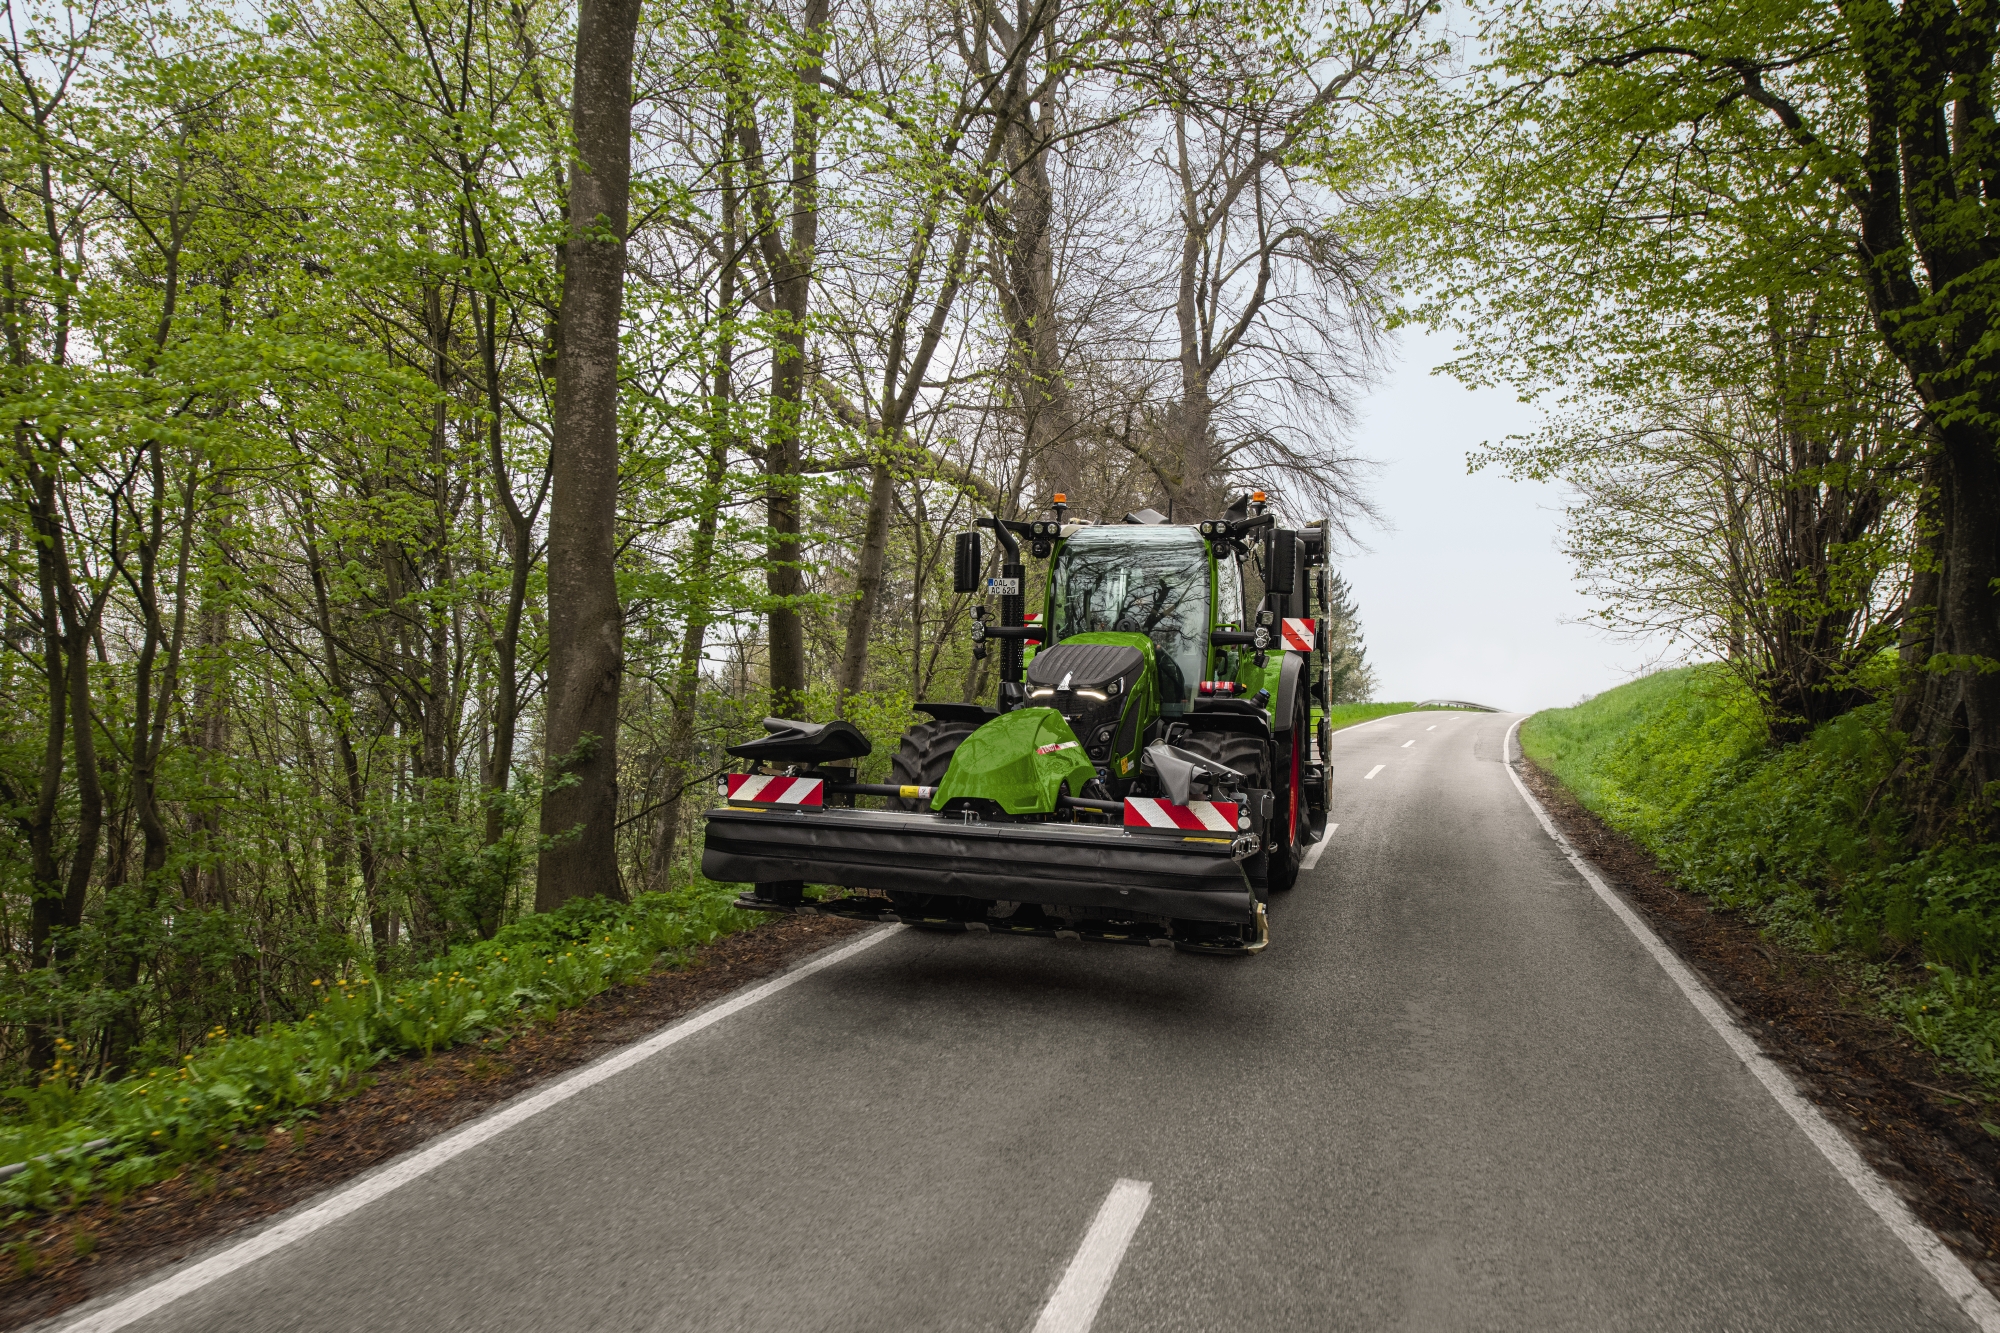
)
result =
(1455, 1093)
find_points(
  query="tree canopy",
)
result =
(434, 431)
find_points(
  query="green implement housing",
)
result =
(1152, 769)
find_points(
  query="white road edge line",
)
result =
(425, 1160)
(1073, 1308)
(1971, 1295)
(1373, 771)
(1312, 852)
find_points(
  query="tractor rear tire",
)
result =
(1252, 758)
(923, 757)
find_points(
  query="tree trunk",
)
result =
(45, 914)
(586, 631)
(784, 581)
(1909, 196)
(1953, 701)
(687, 684)
(499, 765)
(790, 264)
(701, 556)
(79, 624)
(69, 625)
(867, 585)
(901, 382)
(151, 700)
(208, 883)
(497, 769)
(1024, 279)
(340, 712)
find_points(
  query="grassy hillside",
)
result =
(1807, 838)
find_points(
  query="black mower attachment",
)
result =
(1140, 872)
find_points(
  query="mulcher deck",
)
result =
(1116, 873)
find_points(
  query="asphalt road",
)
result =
(1454, 1093)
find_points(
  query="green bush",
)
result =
(81, 1137)
(1806, 837)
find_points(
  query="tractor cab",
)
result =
(1132, 579)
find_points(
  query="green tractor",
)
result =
(1154, 768)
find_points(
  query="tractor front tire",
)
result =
(1252, 758)
(923, 757)
(921, 760)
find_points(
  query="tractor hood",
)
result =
(1104, 685)
(1020, 761)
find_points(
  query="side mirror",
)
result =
(1284, 562)
(966, 562)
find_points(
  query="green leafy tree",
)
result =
(1643, 192)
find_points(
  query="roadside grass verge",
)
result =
(1806, 838)
(81, 1137)
(1347, 715)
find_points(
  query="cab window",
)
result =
(1144, 580)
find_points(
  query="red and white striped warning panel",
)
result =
(1299, 635)
(1151, 812)
(770, 789)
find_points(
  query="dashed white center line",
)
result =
(1431, 727)
(1407, 744)
(1073, 1308)
(1373, 771)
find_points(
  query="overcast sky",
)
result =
(1464, 592)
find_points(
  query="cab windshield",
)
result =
(1141, 580)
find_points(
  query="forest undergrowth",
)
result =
(1807, 838)
(71, 1137)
